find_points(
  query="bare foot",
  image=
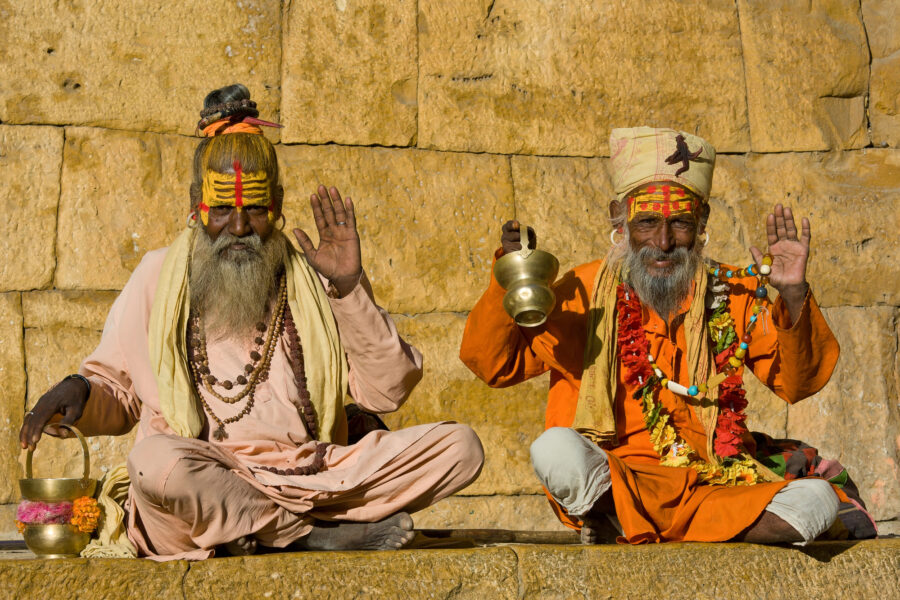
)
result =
(590, 531)
(599, 529)
(390, 534)
(243, 546)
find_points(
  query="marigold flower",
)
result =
(86, 513)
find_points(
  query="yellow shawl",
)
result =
(326, 363)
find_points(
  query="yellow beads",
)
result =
(734, 362)
(740, 353)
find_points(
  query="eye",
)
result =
(256, 210)
(220, 211)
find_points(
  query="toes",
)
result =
(395, 541)
(588, 535)
(405, 521)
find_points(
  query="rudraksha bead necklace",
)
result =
(302, 402)
(311, 469)
(298, 366)
(199, 362)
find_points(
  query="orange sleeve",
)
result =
(493, 346)
(794, 360)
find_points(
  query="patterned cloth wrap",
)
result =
(793, 459)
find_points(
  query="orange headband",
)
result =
(232, 125)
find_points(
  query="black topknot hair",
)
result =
(229, 101)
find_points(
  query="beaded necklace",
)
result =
(203, 378)
(257, 372)
(642, 371)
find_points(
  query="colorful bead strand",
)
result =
(736, 361)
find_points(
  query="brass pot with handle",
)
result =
(526, 276)
(57, 540)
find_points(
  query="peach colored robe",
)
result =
(653, 503)
(383, 371)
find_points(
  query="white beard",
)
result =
(231, 289)
(663, 292)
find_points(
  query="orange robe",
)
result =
(653, 503)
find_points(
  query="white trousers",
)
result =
(576, 473)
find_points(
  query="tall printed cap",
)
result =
(639, 155)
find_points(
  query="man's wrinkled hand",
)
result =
(511, 237)
(790, 253)
(68, 398)
(338, 256)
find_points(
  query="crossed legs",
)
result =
(576, 473)
(186, 499)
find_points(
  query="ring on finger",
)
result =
(340, 222)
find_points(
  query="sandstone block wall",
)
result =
(442, 119)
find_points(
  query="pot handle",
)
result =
(525, 241)
(84, 450)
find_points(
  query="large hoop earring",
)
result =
(612, 237)
(706, 241)
(283, 222)
(192, 221)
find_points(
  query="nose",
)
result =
(664, 240)
(239, 223)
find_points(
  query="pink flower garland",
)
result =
(44, 513)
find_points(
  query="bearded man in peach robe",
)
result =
(234, 354)
(646, 351)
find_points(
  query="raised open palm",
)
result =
(338, 255)
(789, 250)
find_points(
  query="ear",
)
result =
(196, 196)
(703, 217)
(278, 196)
(615, 209)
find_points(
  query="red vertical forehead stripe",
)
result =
(238, 185)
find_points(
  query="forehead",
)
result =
(661, 200)
(231, 178)
(658, 187)
(227, 188)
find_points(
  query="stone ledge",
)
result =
(823, 570)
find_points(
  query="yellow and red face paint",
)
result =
(662, 200)
(237, 190)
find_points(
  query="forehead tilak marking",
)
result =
(659, 200)
(238, 185)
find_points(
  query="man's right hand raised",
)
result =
(67, 398)
(511, 239)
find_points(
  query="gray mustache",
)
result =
(676, 254)
(225, 240)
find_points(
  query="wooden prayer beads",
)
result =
(203, 379)
(311, 469)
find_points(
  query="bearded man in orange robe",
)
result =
(647, 350)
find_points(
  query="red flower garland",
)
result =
(730, 426)
(633, 344)
(633, 350)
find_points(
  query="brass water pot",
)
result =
(526, 276)
(57, 541)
